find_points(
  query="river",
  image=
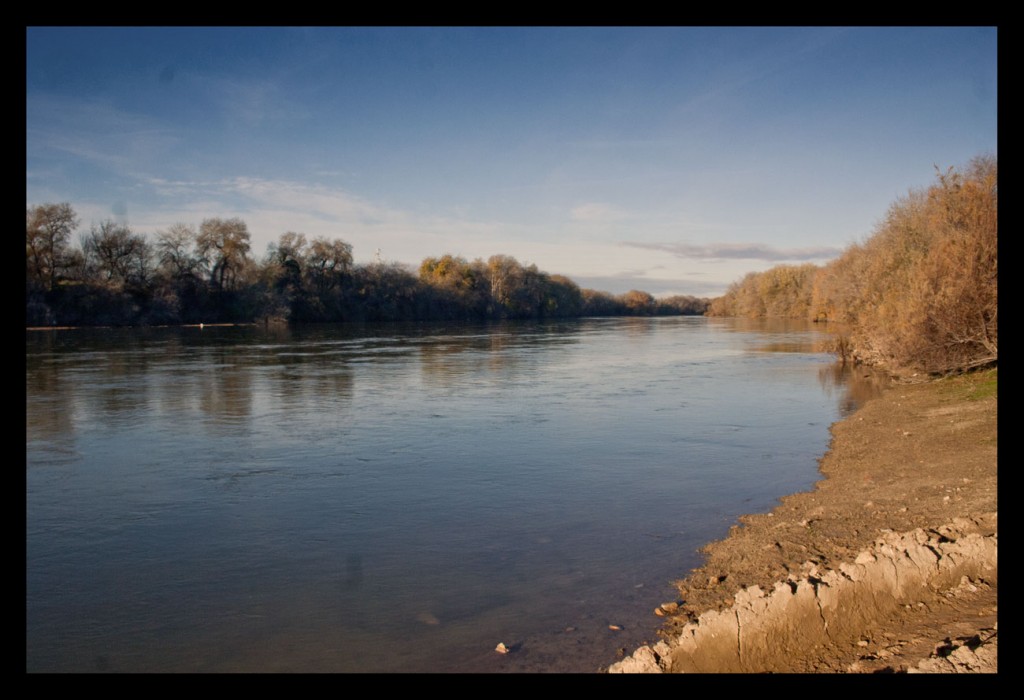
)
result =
(397, 497)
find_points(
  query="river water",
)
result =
(397, 497)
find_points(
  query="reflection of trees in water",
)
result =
(444, 359)
(297, 375)
(274, 368)
(639, 326)
(791, 346)
(95, 373)
(804, 335)
(48, 393)
(762, 325)
(497, 349)
(120, 392)
(855, 385)
(114, 375)
(225, 389)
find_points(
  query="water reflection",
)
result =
(49, 395)
(225, 396)
(763, 325)
(853, 385)
(640, 326)
(500, 352)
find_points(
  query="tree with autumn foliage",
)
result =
(920, 293)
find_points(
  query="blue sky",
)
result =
(673, 160)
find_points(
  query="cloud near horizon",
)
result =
(622, 283)
(740, 251)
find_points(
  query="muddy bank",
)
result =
(889, 564)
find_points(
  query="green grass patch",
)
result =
(979, 385)
(974, 386)
(986, 385)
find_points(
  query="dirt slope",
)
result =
(911, 476)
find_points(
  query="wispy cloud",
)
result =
(96, 132)
(250, 193)
(322, 202)
(740, 251)
(250, 102)
(272, 206)
(596, 212)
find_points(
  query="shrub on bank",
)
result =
(919, 294)
(922, 292)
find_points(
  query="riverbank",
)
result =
(909, 491)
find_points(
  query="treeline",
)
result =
(921, 293)
(116, 276)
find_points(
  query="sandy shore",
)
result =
(888, 565)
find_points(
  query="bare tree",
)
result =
(328, 262)
(47, 232)
(175, 250)
(120, 256)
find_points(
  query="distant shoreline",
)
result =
(174, 325)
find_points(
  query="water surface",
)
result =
(397, 497)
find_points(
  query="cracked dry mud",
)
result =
(888, 565)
